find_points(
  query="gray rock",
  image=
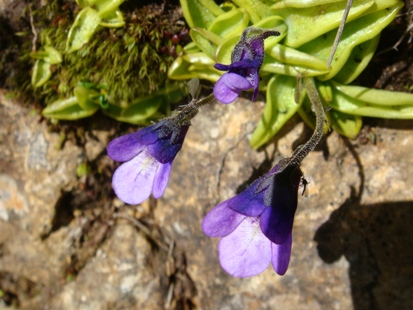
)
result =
(349, 250)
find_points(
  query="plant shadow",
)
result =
(377, 241)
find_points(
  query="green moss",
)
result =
(128, 60)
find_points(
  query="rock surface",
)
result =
(351, 248)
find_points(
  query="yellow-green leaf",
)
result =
(271, 65)
(106, 8)
(193, 65)
(207, 41)
(345, 124)
(306, 24)
(355, 33)
(375, 96)
(84, 97)
(300, 3)
(351, 105)
(256, 9)
(292, 56)
(279, 109)
(200, 13)
(84, 26)
(66, 109)
(230, 23)
(115, 20)
(41, 73)
(358, 61)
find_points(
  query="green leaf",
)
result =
(105, 8)
(142, 109)
(292, 56)
(193, 65)
(114, 20)
(358, 61)
(256, 9)
(85, 97)
(306, 113)
(375, 96)
(351, 105)
(200, 13)
(279, 109)
(66, 109)
(191, 48)
(49, 55)
(271, 65)
(306, 24)
(345, 124)
(84, 26)
(325, 92)
(54, 57)
(355, 33)
(230, 23)
(207, 41)
(41, 73)
(300, 3)
(84, 3)
(224, 51)
(271, 22)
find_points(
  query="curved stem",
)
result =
(303, 150)
(339, 32)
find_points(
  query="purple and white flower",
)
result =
(256, 226)
(246, 60)
(147, 155)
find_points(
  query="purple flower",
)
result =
(246, 60)
(148, 155)
(256, 225)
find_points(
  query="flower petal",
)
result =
(124, 148)
(164, 150)
(221, 221)
(161, 179)
(235, 82)
(245, 64)
(128, 146)
(256, 82)
(249, 202)
(133, 180)
(246, 251)
(227, 88)
(224, 94)
(281, 199)
(277, 223)
(281, 255)
(222, 67)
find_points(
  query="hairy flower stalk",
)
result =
(302, 150)
(256, 226)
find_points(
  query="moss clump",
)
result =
(131, 61)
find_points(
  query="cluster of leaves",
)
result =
(94, 57)
(308, 30)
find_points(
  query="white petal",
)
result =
(246, 251)
(161, 179)
(133, 180)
